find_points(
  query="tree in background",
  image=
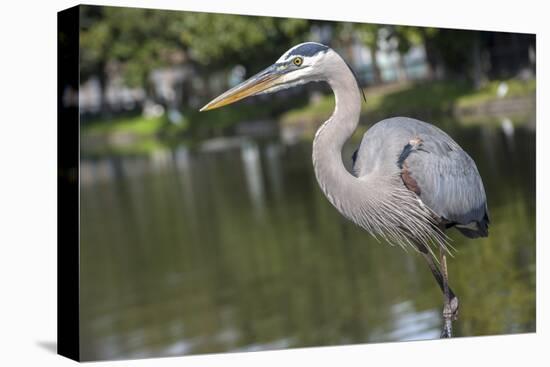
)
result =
(405, 37)
(369, 35)
(136, 41)
(456, 54)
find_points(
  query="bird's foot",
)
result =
(450, 309)
(446, 332)
(453, 305)
(450, 314)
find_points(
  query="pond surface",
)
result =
(233, 247)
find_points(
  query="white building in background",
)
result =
(388, 59)
(166, 85)
(119, 97)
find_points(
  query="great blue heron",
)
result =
(410, 182)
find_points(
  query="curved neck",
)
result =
(330, 171)
(378, 202)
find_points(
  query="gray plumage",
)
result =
(447, 178)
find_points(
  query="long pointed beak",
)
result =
(252, 86)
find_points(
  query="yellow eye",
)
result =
(297, 61)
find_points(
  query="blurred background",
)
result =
(207, 232)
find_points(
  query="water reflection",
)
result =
(409, 324)
(232, 247)
(250, 155)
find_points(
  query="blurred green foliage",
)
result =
(240, 38)
(144, 39)
(137, 125)
(515, 88)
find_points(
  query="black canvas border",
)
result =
(68, 142)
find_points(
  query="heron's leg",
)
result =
(447, 311)
(451, 300)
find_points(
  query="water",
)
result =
(234, 248)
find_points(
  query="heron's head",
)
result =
(301, 64)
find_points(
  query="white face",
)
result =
(299, 68)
